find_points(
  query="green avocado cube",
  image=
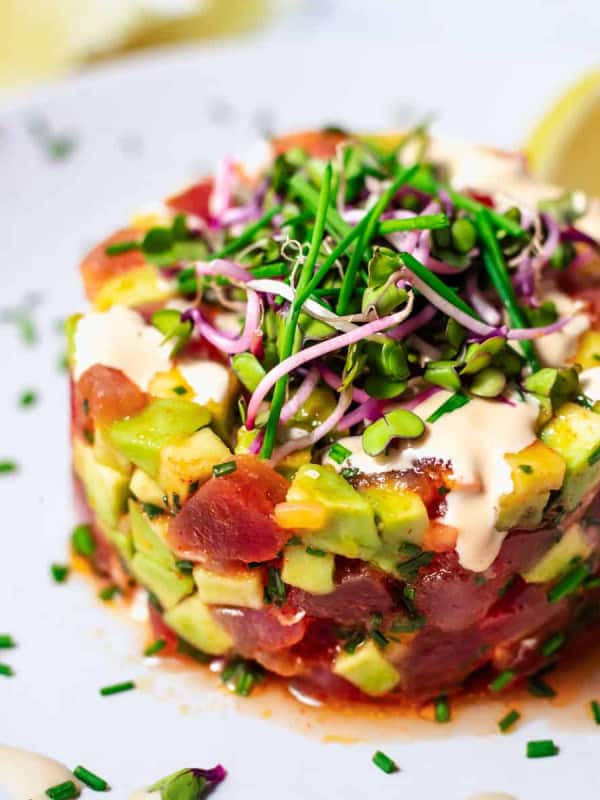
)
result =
(367, 669)
(574, 432)
(349, 529)
(244, 589)
(559, 557)
(106, 488)
(149, 536)
(312, 573)
(400, 514)
(141, 438)
(191, 619)
(146, 490)
(169, 585)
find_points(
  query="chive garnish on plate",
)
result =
(117, 688)
(384, 762)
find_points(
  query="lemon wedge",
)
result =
(564, 147)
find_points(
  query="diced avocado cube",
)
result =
(105, 488)
(141, 438)
(169, 585)
(349, 529)
(106, 454)
(191, 619)
(559, 557)
(170, 384)
(190, 459)
(244, 589)
(312, 573)
(367, 669)
(136, 287)
(574, 433)
(145, 489)
(535, 471)
(400, 514)
(70, 328)
(588, 350)
(149, 536)
(123, 541)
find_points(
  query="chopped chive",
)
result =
(223, 469)
(95, 782)
(121, 247)
(453, 403)
(275, 591)
(247, 235)
(384, 762)
(82, 541)
(152, 510)
(180, 390)
(437, 284)
(289, 332)
(501, 680)
(426, 183)
(595, 706)
(7, 467)
(155, 647)
(553, 644)
(349, 279)
(538, 687)
(569, 583)
(63, 791)
(349, 472)
(542, 748)
(28, 399)
(423, 222)
(108, 592)
(527, 469)
(339, 453)
(59, 572)
(442, 709)
(379, 639)
(509, 720)
(314, 551)
(497, 270)
(334, 223)
(6, 670)
(7, 642)
(117, 688)
(185, 565)
(594, 457)
(245, 681)
(355, 641)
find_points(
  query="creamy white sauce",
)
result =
(474, 439)
(492, 796)
(505, 175)
(209, 380)
(121, 339)
(26, 776)
(590, 383)
(556, 349)
(143, 794)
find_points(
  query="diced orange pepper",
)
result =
(302, 515)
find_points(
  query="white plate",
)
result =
(142, 128)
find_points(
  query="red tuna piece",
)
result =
(106, 394)
(98, 267)
(231, 518)
(194, 200)
(265, 629)
(360, 591)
